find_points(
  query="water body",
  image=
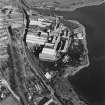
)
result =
(90, 81)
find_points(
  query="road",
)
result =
(37, 70)
(34, 63)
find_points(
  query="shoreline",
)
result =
(71, 9)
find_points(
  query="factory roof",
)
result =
(40, 22)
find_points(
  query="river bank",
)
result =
(90, 81)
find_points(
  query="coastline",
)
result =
(90, 81)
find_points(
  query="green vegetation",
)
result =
(61, 5)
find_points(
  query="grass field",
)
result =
(63, 4)
(9, 101)
(58, 4)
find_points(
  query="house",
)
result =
(52, 42)
(40, 22)
(34, 38)
(48, 53)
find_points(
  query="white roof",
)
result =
(47, 57)
(48, 54)
(48, 76)
(49, 51)
(36, 42)
(35, 39)
(39, 23)
(32, 36)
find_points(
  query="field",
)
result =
(9, 101)
(62, 5)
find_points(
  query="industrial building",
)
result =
(54, 40)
